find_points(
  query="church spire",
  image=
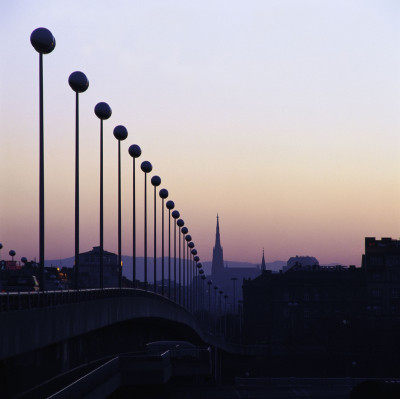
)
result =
(218, 255)
(217, 236)
(263, 266)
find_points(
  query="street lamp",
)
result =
(234, 279)
(135, 152)
(196, 282)
(155, 181)
(43, 42)
(175, 215)
(188, 238)
(170, 205)
(191, 246)
(12, 253)
(202, 277)
(120, 133)
(215, 308)
(79, 83)
(180, 224)
(184, 231)
(146, 168)
(103, 112)
(163, 193)
(209, 283)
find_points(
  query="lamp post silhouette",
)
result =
(196, 286)
(155, 181)
(163, 193)
(12, 253)
(188, 238)
(146, 168)
(202, 296)
(43, 42)
(215, 308)
(225, 316)
(220, 310)
(184, 231)
(135, 152)
(120, 133)
(180, 224)
(1, 247)
(209, 283)
(170, 205)
(194, 281)
(234, 279)
(103, 112)
(79, 83)
(175, 215)
(191, 246)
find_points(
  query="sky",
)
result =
(281, 116)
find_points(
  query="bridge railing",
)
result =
(14, 301)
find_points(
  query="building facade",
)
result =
(89, 269)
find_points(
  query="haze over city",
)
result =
(282, 116)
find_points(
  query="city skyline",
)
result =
(283, 117)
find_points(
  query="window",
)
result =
(395, 293)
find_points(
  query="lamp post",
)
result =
(135, 152)
(209, 283)
(146, 168)
(184, 231)
(103, 112)
(188, 238)
(163, 193)
(79, 83)
(234, 279)
(155, 181)
(202, 296)
(191, 246)
(196, 281)
(120, 133)
(12, 253)
(170, 205)
(175, 215)
(180, 224)
(225, 323)
(220, 310)
(194, 261)
(43, 42)
(215, 309)
(1, 247)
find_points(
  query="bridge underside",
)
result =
(53, 360)
(43, 342)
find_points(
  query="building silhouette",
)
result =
(345, 315)
(89, 272)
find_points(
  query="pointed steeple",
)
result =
(263, 266)
(217, 236)
(218, 255)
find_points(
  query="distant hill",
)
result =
(127, 265)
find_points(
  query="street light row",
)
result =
(44, 43)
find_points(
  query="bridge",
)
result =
(56, 331)
(48, 333)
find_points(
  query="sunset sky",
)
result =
(282, 116)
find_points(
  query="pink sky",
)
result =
(282, 116)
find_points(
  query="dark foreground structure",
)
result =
(329, 320)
